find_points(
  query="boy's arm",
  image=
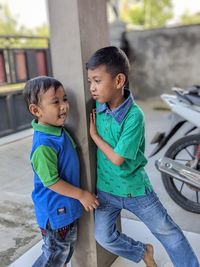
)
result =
(44, 162)
(87, 199)
(101, 144)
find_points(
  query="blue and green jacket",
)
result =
(54, 157)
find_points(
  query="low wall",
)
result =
(163, 58)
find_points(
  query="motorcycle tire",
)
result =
(172, 185)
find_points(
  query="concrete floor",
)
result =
(132, 228)
(143, 234)
(18, 229)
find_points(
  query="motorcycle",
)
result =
(180, 166)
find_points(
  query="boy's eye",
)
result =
(65, 99)
(55, 102)
(97, 81)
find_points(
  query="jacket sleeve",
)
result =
(44, 162)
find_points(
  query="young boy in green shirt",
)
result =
(117, 129)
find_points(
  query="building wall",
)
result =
(163, 58)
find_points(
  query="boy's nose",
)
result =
(92, 88)
(63, 106)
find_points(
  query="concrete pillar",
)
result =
(77, 29)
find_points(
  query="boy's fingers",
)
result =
(91, 116)
(96, 205)
(91, 208)
(94, 114)
(97, 202)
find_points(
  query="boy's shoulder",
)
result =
(56, 141)
(41, 139)
(44, 136)
(135, 111)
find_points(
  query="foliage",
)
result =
(136, 15)
(187, 19)
(9, 27)
(147, 13)
(7, 22)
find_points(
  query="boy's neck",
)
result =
(116, 102)
(46, 124)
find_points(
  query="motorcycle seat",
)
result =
(190, 96)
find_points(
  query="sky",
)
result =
(180, 5)
(33, 13)
(30, 13)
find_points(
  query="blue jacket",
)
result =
(54, 157)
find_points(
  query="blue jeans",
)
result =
(148, 209)
(58, 246)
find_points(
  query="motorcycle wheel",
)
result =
(184, 195)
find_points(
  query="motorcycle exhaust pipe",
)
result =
(179, 171)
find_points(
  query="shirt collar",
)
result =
(48, 129)
(119, 112)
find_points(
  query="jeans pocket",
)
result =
(148, 200)
(103, 200)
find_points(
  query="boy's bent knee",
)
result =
(105, 239)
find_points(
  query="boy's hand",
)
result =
(93, 130)
(88, 200)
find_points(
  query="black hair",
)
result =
(38, 85)
(113, 58)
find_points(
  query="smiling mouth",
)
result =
(62, 116)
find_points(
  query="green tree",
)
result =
(148, 13)
(42, 30)
(187, 18)
(9, 26)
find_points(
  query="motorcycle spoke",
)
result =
(197, 195)
(184, 151)
(180, 190)
(189, 153)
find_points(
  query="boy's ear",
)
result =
(121, 79)
(34, 109)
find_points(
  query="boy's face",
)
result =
(103, 87)
(53, 107)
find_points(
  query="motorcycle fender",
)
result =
(162, 138)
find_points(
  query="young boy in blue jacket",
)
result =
(56, 195)
(117, 129)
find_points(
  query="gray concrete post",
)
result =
(77, 29)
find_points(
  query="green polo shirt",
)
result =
(123, 129)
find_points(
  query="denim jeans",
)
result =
(58, 246)
(148, 209)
